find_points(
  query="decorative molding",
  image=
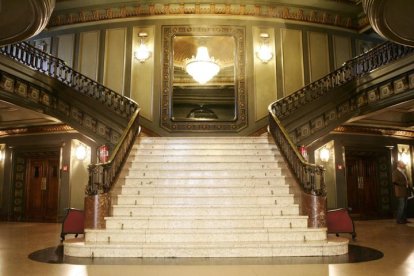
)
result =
(18, 186)
(36, 130)
(369, 98)
(374, 131)
(52, 104)
(128, 10)
(168, 33)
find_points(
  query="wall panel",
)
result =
(142, 74)
(65, 50)
(292, 60)
(342, 50)
(114, 70)
(318, 55)
(88, 54)
(265, 85)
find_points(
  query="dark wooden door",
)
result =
(42, 187)
(362, 185)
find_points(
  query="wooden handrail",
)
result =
(310, 176)
(102, 176)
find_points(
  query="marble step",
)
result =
(203, 235)
(133, 200)
(202, 158)
(205, 182)
(186, 146)
(203, 140)
(210, 210)
(333, 246)
(204, 173)
(219, 222)
(205, 152)
(182, 191)
(143, 165)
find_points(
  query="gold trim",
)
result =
(94, 14)
(374, 131)
(239, 33)
(36, 130)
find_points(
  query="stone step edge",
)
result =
(208, 230)
(213, 217)
(186, 206)
(209, 196)
(204, 178)
(230, 186)
(330, 241)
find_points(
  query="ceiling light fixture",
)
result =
(142, 53)
(202, 67)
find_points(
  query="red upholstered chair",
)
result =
(339, 221)
(73, 223)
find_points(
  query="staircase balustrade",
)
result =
(351, 70)
(101, 176)
(57, 69)
(310, 176)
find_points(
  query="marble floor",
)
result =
(18, 240)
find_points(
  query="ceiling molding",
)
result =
(316, 15)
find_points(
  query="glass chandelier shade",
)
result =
(143, 52)
(202, 68)
(324, 154)
(264, 52)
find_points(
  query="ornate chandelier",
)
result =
(202, 68)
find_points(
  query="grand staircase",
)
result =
(205, 197)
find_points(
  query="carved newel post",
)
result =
(97, 199)
(314, 207)
(96, 209)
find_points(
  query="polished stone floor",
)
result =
(396, 242)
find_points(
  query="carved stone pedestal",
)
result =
(96, 209)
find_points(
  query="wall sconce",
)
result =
(404, 157)
(264, 53)
(324, 154)
(142, 53)
(1, 155)
(80, 152)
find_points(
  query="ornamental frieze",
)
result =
(308, 15)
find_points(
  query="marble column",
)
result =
(96, 209)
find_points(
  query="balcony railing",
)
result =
(349, 71)
(57, 69)
(101, 176)
(310, 176)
